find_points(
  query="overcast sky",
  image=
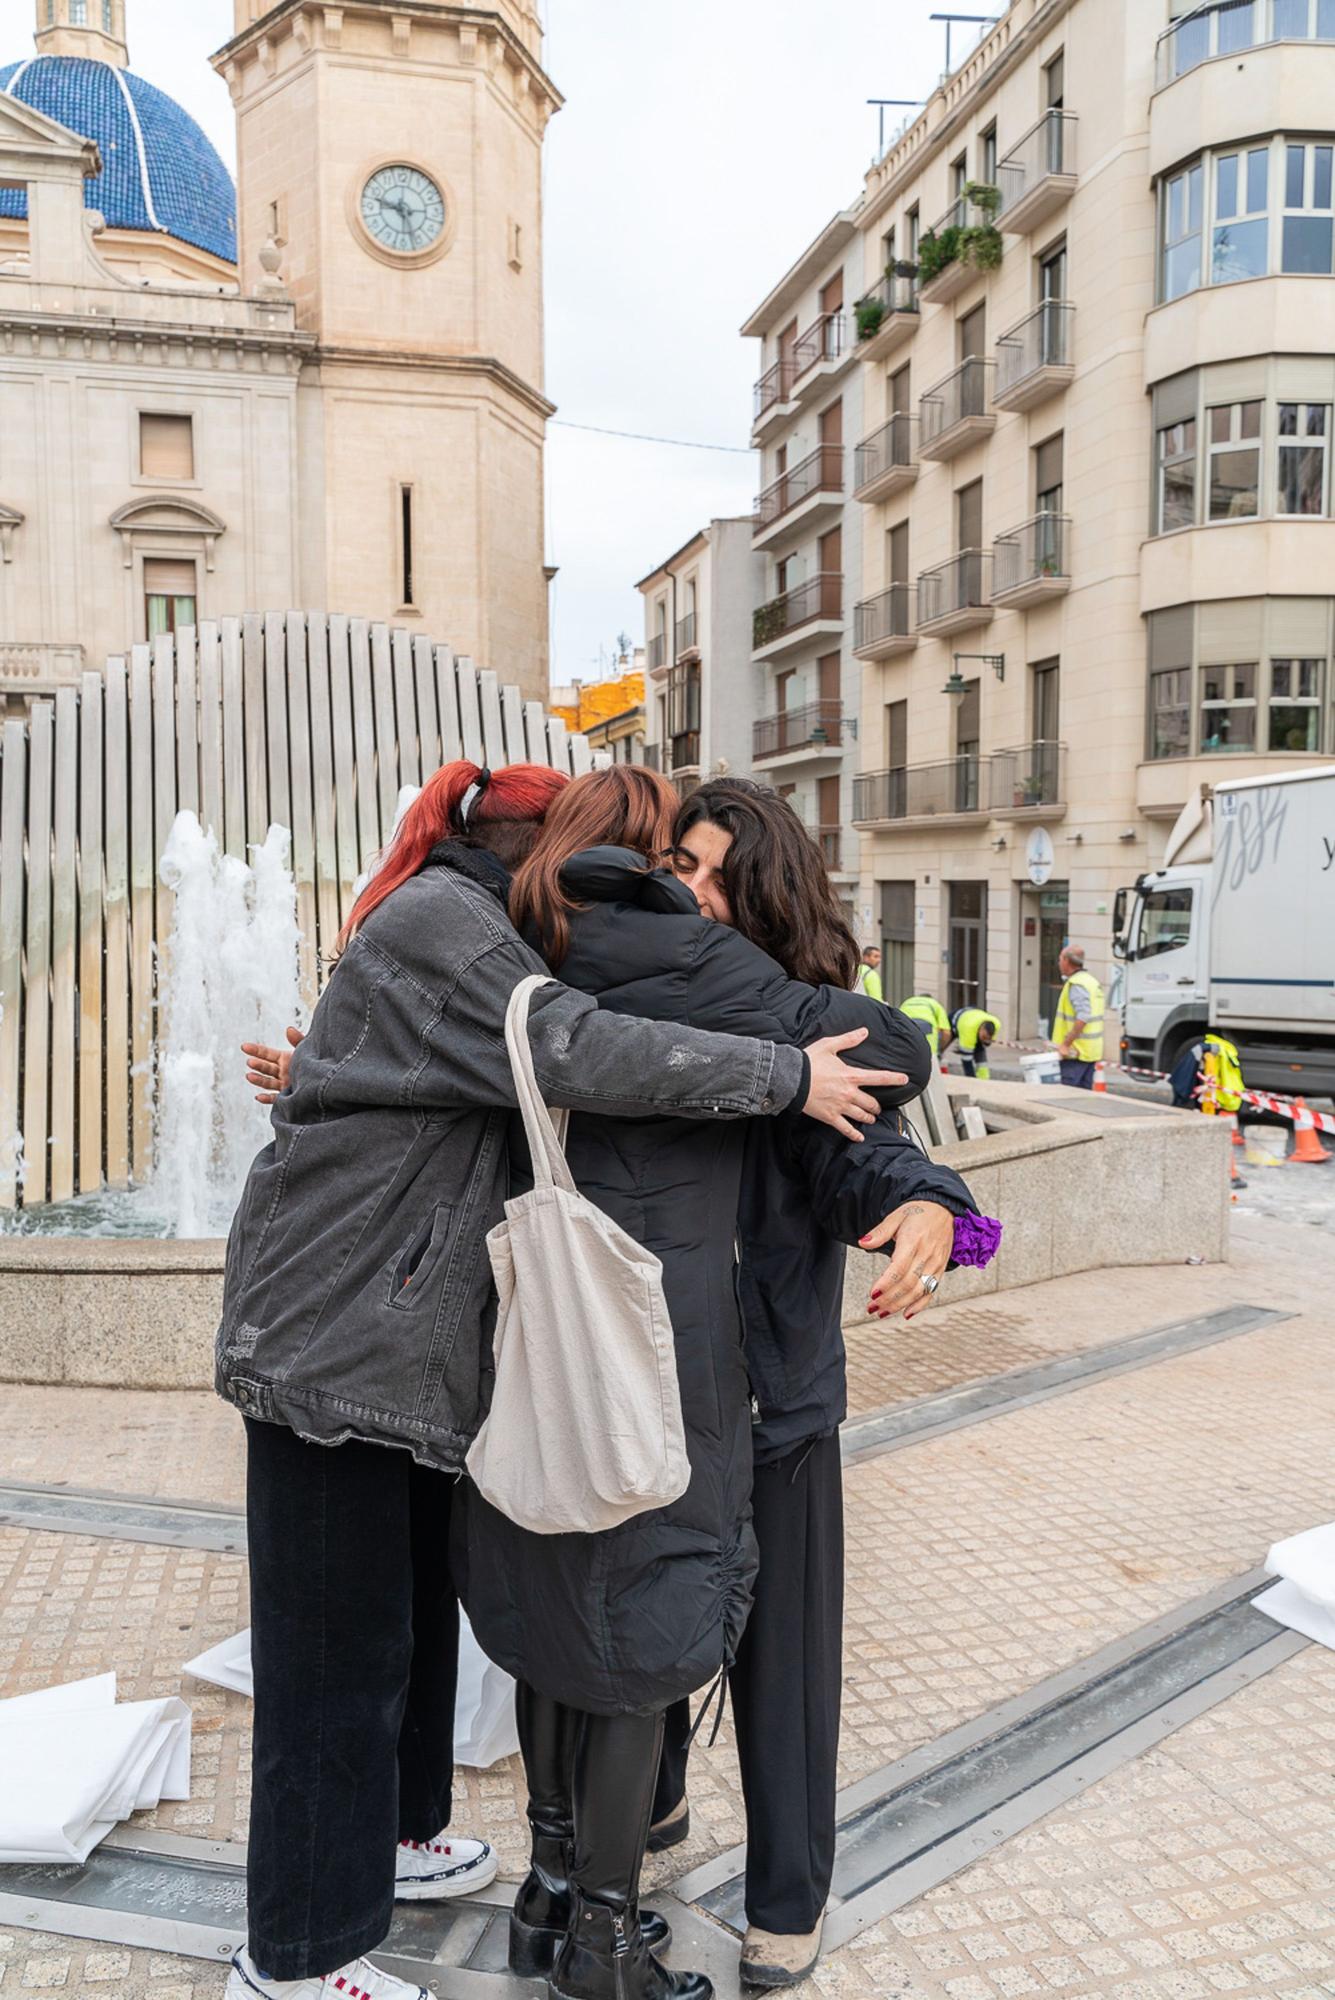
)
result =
(702, 145)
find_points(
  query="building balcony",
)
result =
(954, 596)
(884, 462)
(799, 735)
(1029, 780)
(1034, 358)
(653, 757)
(823, 350)
(1029, 563)
(683, 754)
(886, 316)
(656, 653)
(1038, 175)
(686, 640)
(954, 415)
(811, 610)
(883, 625)
(1232, 26)
(1006, 784)
(802, 497)
(773, 396)
(957, 250)
(38, 666)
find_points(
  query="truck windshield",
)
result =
(1165, 921)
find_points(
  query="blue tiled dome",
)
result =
(159, 172)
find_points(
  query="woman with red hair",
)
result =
(357, 1314)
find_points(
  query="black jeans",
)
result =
(355, 1641)
(786, 1689)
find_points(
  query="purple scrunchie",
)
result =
(977, 1239)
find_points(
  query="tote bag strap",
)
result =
(544, 1141)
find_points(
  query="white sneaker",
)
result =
(431, 1871)
(359, 1981)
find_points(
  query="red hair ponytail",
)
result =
(516, 793)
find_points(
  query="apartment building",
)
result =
(1094, 327)
(807, 531)
(699, 681)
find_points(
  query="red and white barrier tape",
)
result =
(1284, 1108)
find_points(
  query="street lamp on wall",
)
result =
(958, 686)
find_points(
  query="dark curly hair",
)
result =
(776, 880)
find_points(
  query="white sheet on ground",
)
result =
(484, 1708)
(74, 1762)
(1304, 1598)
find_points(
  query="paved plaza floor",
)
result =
(983, 1561)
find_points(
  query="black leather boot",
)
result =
(605, 1955)
(545, 1900)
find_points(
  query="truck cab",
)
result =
(1162, 935)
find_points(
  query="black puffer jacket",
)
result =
(631, 1619)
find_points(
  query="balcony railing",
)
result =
(1004, 781)
(1031, 775)
(957, 585)
(960, 244)
(821, 596)
(657, 651)
(821, 471)
(830, 840)
(810, 728)
(962, 394)
(685, 633)
(823, 340)
(774, 386)
(1046, 149)
(888, 615)
(1032, 553)
(1043, 340)
(894, 294)
(890, 446)
(1232, 25)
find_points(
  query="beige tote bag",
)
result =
(585, 1427)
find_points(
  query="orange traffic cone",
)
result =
(1308, 1150)
(1238, 1139)
(1099, 1082)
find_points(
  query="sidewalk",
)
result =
(979, 1563)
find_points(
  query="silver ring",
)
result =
(929, 1285)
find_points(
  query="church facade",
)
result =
(320, 388)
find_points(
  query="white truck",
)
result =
(1237, 931)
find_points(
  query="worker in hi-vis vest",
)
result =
(975, 1032)
(868, 980)
(932, 1018)
(1207, 1076)
(1077, 1029)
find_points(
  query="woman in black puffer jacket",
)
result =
(621, 1624)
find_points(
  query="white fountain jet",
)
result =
(229, 976)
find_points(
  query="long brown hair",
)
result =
(626, 806)
(776, 880)
(504, 818)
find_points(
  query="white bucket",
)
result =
(1043, 1067)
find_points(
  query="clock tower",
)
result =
(389, 160)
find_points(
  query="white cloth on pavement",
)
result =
(484, 1709)
(1304, 1598)
(74, 1762)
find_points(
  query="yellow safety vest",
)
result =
(967, 1023)
(1089, 1045)
(1222, 1067)
(934, 1018)
(868, 981)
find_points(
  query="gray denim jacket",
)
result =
(358, 1300)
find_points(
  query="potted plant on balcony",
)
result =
(768, 621)
(935, 252)
(869, 313)
(1032, 790)
(981, 242)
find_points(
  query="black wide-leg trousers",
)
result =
(355, 1644)
(786, 1688)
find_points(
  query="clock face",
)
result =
(403, 209)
